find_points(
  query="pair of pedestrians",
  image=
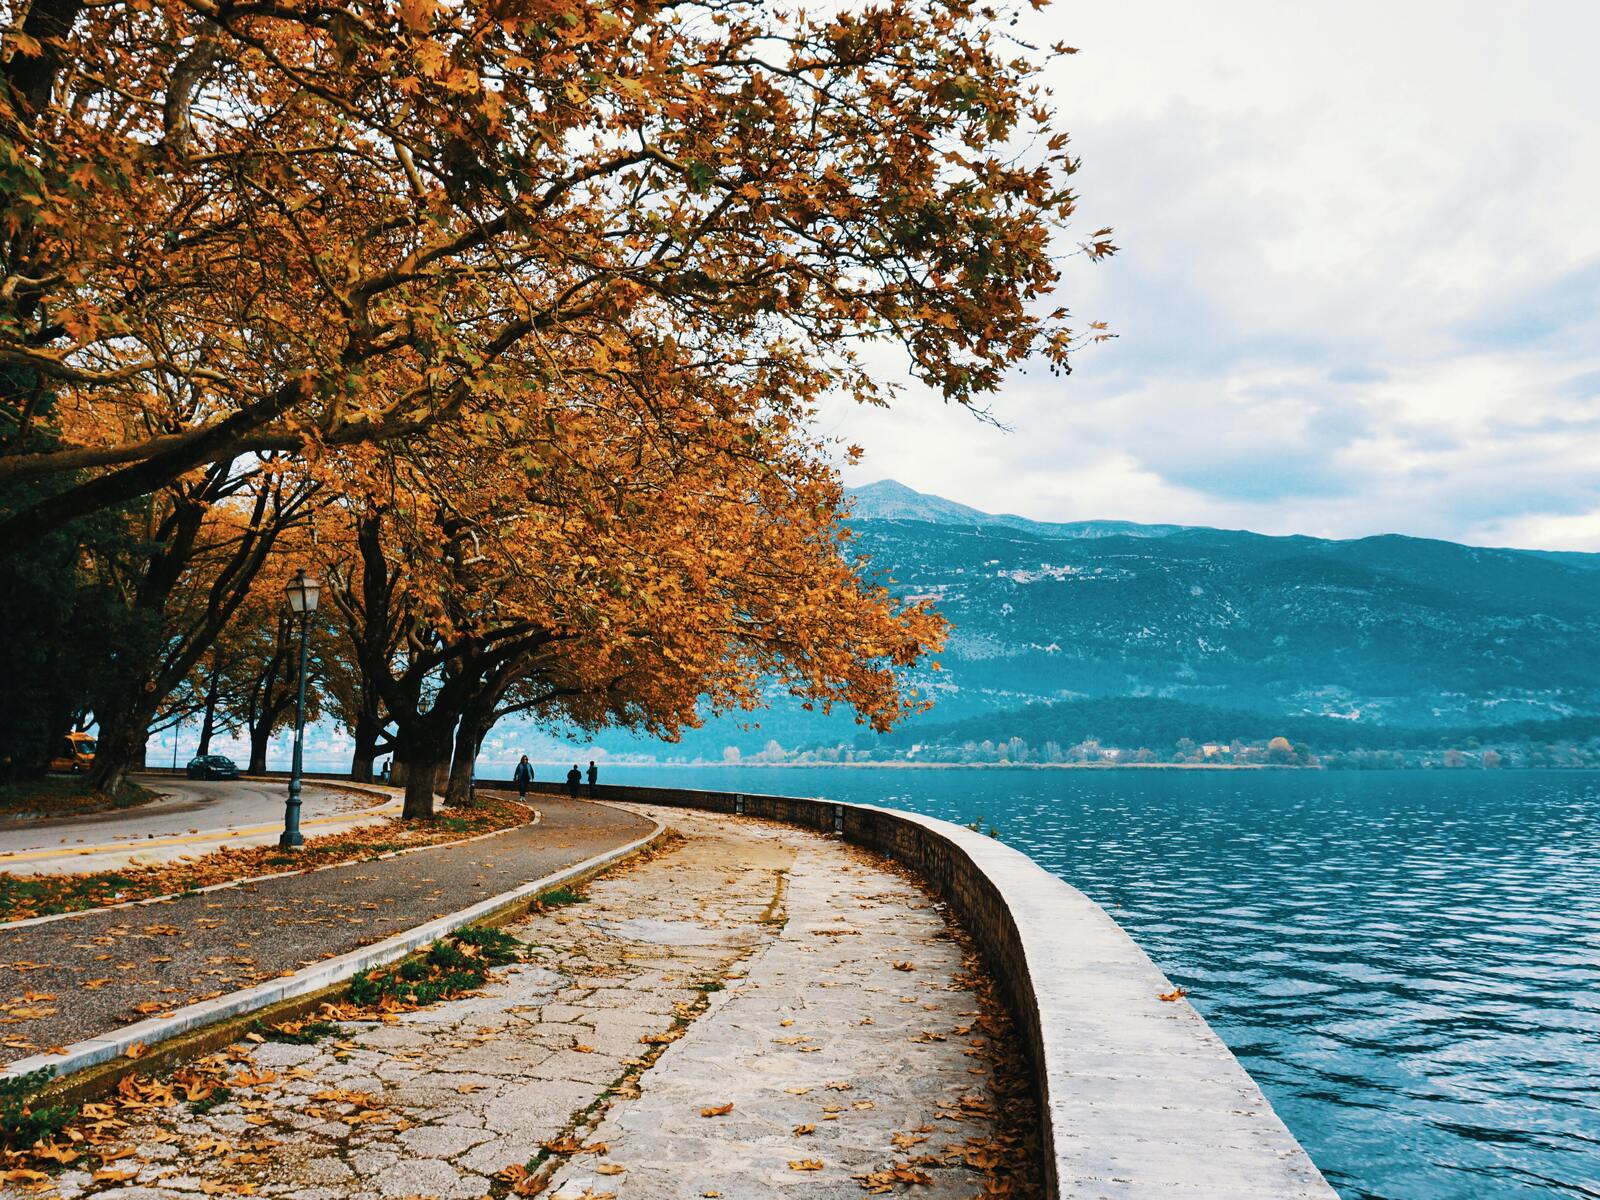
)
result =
(523, 777)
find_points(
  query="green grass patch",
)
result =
(66, 795)
(556, 897)
(41, 896)
(295, 1033)
(459, 962)
(22, 1124)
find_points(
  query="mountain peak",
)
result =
(891, 500)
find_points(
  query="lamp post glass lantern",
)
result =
(303, 592)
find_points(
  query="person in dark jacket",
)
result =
(522, 777)
(594, 777)
(574, 778)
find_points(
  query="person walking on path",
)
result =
(594, 777)
(522, 777)
(574, 778)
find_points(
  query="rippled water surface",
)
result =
(1407, 962)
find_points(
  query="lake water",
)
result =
(1407, 962)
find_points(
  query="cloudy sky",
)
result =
(1359, 290)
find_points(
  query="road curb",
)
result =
(195, 1019)
(233, 883)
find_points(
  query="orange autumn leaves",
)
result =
(555, 287)
(246, 230)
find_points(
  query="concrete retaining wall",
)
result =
(1139, 1097)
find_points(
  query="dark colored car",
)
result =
(213, 766)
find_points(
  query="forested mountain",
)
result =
(1402, 633)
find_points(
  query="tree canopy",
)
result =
(528, 306)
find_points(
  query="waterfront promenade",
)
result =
(750, 1010)
(758, 1002)
(107, 968)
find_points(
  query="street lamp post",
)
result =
(303, 591)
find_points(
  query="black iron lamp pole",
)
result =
(303, 591)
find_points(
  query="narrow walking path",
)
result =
(192, 817)
(89, 973)
(751, 1011)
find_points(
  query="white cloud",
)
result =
(1361, 285)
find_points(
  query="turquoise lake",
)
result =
(1407, 962)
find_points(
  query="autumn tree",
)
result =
(228, 228)
(541, 294)
(650, 536)
(196, 552)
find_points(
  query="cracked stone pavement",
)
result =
(751, 964)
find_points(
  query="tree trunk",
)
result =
(476, 722)
(424, 756)
(208, 723)
(469, 739)
(419, 790)
(367, 735)
(120, 748)
(260, 737)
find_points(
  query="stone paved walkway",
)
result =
(95, 967)
(757, 1011)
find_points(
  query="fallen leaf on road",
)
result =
(803, 1130)
(805, 1164)
(1175, 994)
(720, 1110)
(879, 1183)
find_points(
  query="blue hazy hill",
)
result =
(1393, 631)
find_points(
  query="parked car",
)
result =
(74, 754)
(213, 766)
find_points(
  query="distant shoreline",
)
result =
(952, 766)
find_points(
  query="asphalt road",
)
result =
(90, 969)
(192, 817)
